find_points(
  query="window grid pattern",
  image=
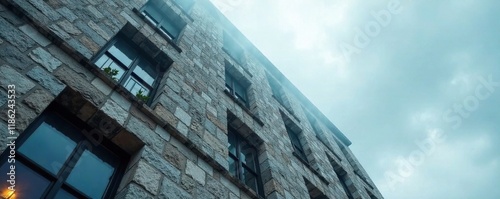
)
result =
(131, 69)
(161, 16)
(297, 146)
(243, 161)
(236, 89)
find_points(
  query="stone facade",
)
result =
(178, 141)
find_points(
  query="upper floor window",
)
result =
(161, 16)
(54, 159)
(233, 48)
(297, 146)
(236, 89)
(342, 175)
(276, 89)
(125, 64)
(243, 161)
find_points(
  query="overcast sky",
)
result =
(391, 76)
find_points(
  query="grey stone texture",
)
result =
(178, 143)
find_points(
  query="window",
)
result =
(236, 89)
(126, 65)
(161, 16)
(341, 174)
(233, 48)
(243, 161)
(185, 4)
(297, 146)
(314, 192)
(53, 159)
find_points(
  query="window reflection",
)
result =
(91, 175)
(29, 184)
(48, 147)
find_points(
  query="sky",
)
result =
(415, 85)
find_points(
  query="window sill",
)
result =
(157, 30)
(323, 179)
(246, 189)
(244, 107)
(240, 63)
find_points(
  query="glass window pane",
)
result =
(134, 87)
(91, 175)
(152, 10)
(250, 179)
(48, 147)
(233, 167)
(232, 143)
(229, 81)
(248, 155)
(29, 184)
(63, 194)
(240, 91)
(168, 26)
(146, 72)
(123, 52)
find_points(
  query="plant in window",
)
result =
(111, 72)
(140, 95)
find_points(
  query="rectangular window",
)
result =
(55, 160)
(313, 122)
(233, 48)
(297, 146)
(236, 89)
(161, 16)
(130, 68)
(342, 175)
(243, 161)
(276, 90)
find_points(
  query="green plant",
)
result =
(111, 72)
(140, 95)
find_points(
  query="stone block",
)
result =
(170, 171)
(133, 191)
(147, 176)
(101, 86)
(72, 79)
(14, 36)
(47, 80)
(14, 57)
(9, 76)
(148, 136)
(44, 58)
(35, 35)
(195, 172)
(38, 100)
(183, 116)
(170, 189)
(113, 110)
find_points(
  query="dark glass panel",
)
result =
(240, 91)
(63, 194)
(134, 86)
(168, 26)
(248, 155)
(250, 179)
(48, 147)
(233, 167)
(232, 143)
(123, 52)
(29, 184)
(91, 175)
(146, 72)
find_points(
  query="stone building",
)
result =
(156, 99)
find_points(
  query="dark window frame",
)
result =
(56, 115)
(296, 144)
(231, 83)
(237, 158)
(168, 16)
(141, 56)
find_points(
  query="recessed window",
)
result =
(276, 89)
(55, 160)
(124, 63)
(314, 192)
(236, 89)
(162, 17)
(297, 146)
(233, 48)
(342, 175)
(243, 161)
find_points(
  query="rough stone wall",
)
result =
(178, 144)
